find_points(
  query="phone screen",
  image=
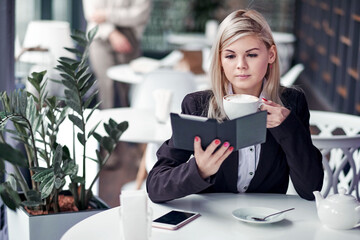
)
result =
(174, 217)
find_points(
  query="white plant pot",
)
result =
(24, 226)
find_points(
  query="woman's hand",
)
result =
(119, 42)
(209, 161)
(99, 16)
(276, 113)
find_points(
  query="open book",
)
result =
(240, 132)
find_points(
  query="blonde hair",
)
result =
(236, 25)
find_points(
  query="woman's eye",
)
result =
(230, 56)
(252, 55)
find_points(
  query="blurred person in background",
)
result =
(121, 25)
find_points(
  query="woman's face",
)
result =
(245, 62)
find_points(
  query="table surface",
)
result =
(143, 127)
(217, 222)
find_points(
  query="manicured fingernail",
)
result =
(197, 139)
(217, 141)
(231, 148)
(264, 99)
(226, 144)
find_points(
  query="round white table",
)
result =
(124, 73)
(217, 222)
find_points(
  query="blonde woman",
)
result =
(244, 60)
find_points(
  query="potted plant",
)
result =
(34, 120)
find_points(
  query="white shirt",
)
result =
(125, 13)
(248, 160)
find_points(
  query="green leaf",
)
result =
(43, 175)
(74, 106)
(78, 179)
(66, 153)
(86, 88)
(112, 123)
(74, 66)
(108, 143)
(59, 183)
(34, 198)
(81, 138)
(47, 187)
(9, 196)
(57, 161)
(69, 61)
(97, 136)
(70, 168)
(84, 80)
(123, 126)
(51, 101)
(72, 95)
(12, 155)
(74, 50)
(33, 195)
(93, 159)
(81, 71)
(99, 157)
(82, 42)
(107, 128)
(92, 33)
(76, 121)
(23, 103)
(12, 181)
(93, 129)
(90, 99)
(64, 69)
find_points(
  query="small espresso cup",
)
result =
(238, 105)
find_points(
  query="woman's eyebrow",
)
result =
(252, 49)
(229, 50)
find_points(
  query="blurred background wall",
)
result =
(327, 33)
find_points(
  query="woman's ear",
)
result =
(272, 54)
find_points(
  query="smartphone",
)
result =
(174, 219)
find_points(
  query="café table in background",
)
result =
(216, 220)
(143, 127)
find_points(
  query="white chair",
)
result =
(341, 153)
(289, 78)
(180, 83)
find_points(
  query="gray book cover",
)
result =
(240, 132)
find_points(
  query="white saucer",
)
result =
(246, 214)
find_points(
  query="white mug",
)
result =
(238, 105)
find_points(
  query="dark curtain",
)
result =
(7, 76)
(7, 29)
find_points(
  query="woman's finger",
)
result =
(212, 146)
(197, 145)
(221, 150)
(228, 151)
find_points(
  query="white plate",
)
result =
(246, 214)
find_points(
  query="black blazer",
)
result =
(288, 150)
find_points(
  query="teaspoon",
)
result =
(264, 218)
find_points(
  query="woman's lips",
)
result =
(242, 76)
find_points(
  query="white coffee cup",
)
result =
(238, 105)
(135, 215)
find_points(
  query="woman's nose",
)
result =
(242, 64)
